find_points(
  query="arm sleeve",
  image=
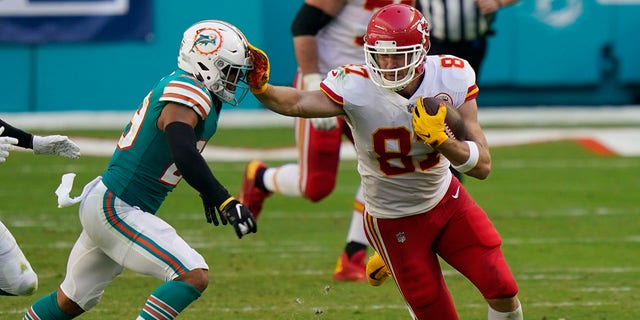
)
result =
(193, 168)
(309, 21)
(25, 139)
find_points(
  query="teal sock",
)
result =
(46, 308)
(168, 300)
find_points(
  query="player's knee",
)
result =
(319, 188)
(424, 298)
(509, 304)
(202, 281)
(198, 278)
(24, 285)
(503, 289)
(29, 284)
(71, 307)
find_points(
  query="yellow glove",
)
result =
(377, 271)
(427, 127)
(258, 77)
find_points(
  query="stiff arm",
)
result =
(298, 103)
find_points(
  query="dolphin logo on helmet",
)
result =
(207, 41)
(216, 53)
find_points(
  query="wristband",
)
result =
(226, 202)
(471, 162)
(260, 90)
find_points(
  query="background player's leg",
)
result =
(351, 263)
(17, 278)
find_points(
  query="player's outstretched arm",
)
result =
(286, 100)
(57, 145)
(53, 144)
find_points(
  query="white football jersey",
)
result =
(401, 176)
(341, 41)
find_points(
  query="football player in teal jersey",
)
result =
(17, 278)
(160, 146)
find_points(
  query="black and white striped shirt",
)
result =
(456, 20)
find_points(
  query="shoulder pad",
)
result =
(190, 93)
(457, 78)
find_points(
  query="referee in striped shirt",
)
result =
(461, 27)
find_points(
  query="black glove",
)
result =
(240, 218)
(210, 213)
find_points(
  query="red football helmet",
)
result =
(401, 33)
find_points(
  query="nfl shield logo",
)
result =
(401, 237)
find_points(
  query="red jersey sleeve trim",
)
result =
(472, 92)
(332, 95)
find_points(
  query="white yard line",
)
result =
(238, 118)
(622, 141)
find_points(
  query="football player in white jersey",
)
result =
(160, 146)
(326, 35)
(17, 277)
(415, 209)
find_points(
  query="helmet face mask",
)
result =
(394, 69)
(396, 45)
(216, 53)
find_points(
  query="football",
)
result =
(453, 123)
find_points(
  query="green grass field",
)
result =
(568, 218)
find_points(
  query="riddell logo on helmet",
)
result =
(207, 41)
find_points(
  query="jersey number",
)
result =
(451, 62)
(127, 139)
(398, 161)
(129, 136)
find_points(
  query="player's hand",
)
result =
(258, 77)
(56, 144)
(489, 6)
(5, 145)
(210, 211)
(239, 217)
(427, 127)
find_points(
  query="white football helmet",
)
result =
(399, 31)
(216, 53)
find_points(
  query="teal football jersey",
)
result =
(141, 171)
